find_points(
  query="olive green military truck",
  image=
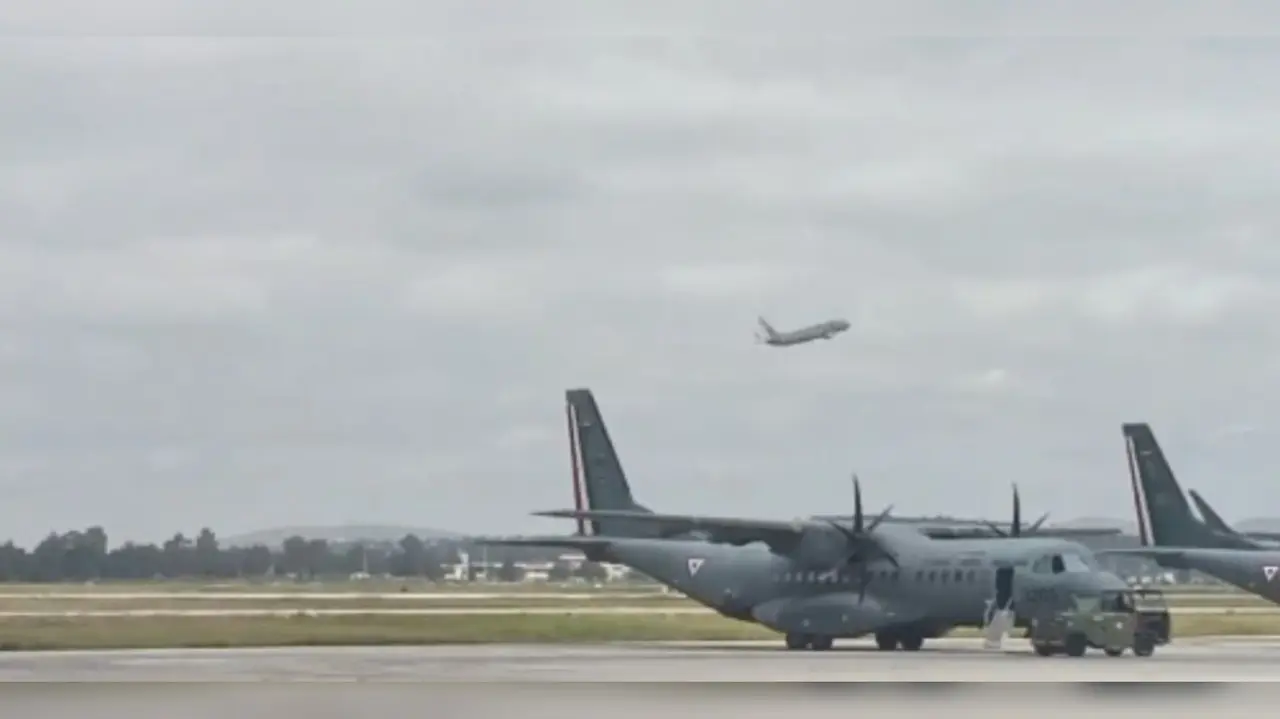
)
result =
(1112, 622)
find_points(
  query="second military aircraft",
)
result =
(1175, 539)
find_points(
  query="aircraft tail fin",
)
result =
(1215, 522)
(769, 332)
(598, 479)
(1164, 515)
(1207, 513)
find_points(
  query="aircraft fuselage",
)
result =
(932, 590)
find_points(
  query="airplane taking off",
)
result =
(1173, 537)
(817, 580)
(821, 331)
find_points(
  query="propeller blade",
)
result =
(857, 505)
(997, 530)
(1036, 525)
(848, 533)
(1016, 528)
(882, 516)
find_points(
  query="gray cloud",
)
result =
(257, 282)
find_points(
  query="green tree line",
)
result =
(86, 556)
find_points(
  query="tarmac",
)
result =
(465, 611)
(942, 660)
(546, 680)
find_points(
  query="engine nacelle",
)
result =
(821, 549)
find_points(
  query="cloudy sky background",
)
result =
(263, 282)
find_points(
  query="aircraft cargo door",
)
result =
(1004, 587)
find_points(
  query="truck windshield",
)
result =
(1087, 602)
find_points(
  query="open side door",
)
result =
(1000, 616)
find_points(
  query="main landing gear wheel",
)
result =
(797, 641)
(887, 642)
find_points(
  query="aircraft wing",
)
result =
(780, 536)
(954, 528)
(1174, 553)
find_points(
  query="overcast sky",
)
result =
(255, 283)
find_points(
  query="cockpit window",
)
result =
(1058, 566)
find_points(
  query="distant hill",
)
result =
(343, 533)
(1128, 527)
(1258, 524)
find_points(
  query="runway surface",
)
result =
(461, 611)
(537, 682)
(943, 660)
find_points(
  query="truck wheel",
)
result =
(1076, 645)
(1114, 651)
(1143, 647)
(1044, 650)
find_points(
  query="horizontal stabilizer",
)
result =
(691, 521)
(780, 536)
(568, 542)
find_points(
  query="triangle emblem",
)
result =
(696, 564)
(1270, 572)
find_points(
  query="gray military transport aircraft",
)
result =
(1173, 537)
(817, 580)
(821, 331)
